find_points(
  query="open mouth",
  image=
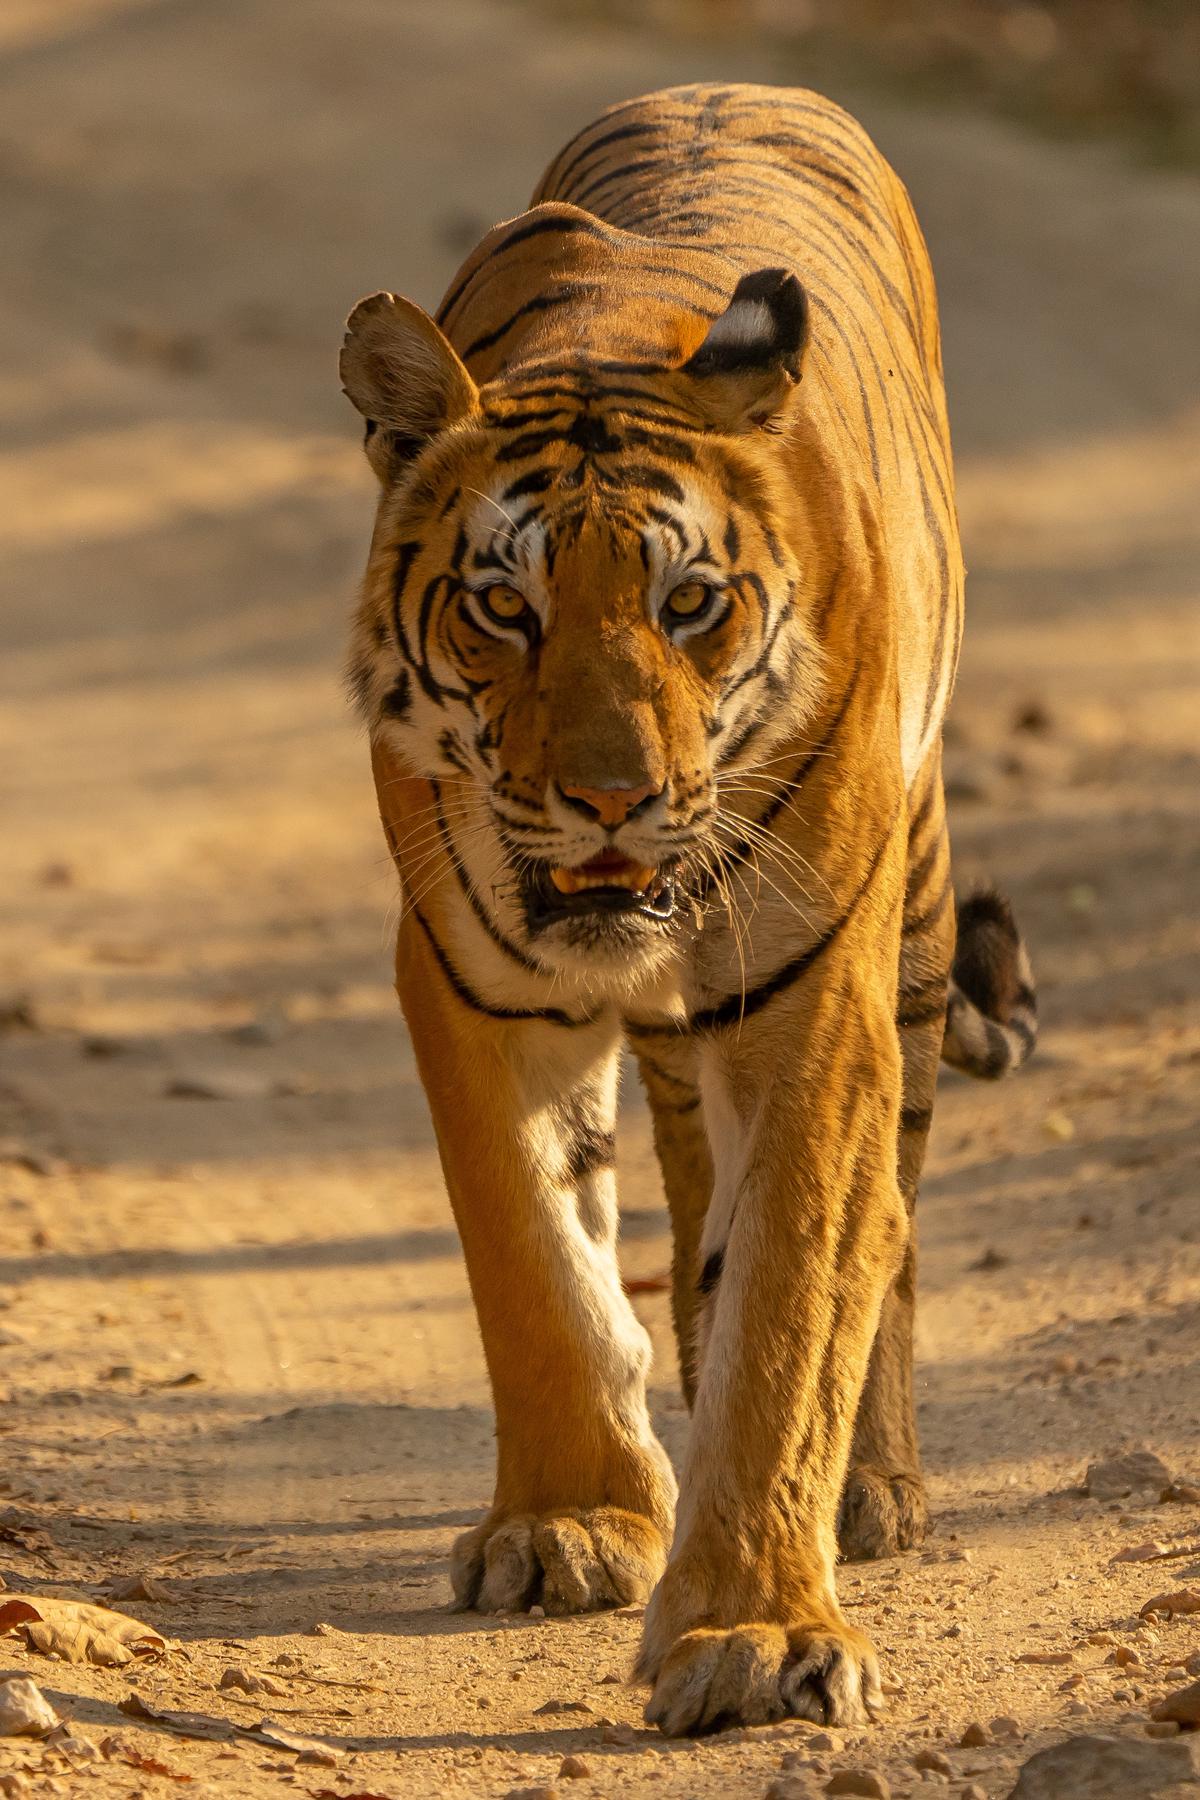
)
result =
(610, 883)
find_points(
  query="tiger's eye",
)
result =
(504, 604)
(689, 600)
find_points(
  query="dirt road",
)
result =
(236, 1346)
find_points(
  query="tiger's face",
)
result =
(584, 607)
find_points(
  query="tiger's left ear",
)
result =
(749, 363)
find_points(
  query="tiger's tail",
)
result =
(991, 1007)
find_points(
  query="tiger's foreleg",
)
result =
(806, 1230)
(669, 1070)
(883, 1505)
(524, 1112)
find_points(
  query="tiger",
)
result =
(660, 619)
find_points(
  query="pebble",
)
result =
(936, 1761)
(975, 1736)
(533, 1793)
(859, 1781)
(1137, 1471)
(1005, 1726)
(24, 1709)
(573, 1768)
(785, 1788)
(1107, 1768)
(1183, 1706)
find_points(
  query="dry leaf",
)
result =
(77, 1633)
(140, 1587)
(269, 1731)
(332, 1794)
(1183, 1600)
(150, 1765)
(252, 1684)
(191, 1725)
(25, 1710)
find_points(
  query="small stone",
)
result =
(573, 1768)
(1183, 1491)
(822, 1740)
(1058, 1125)
(25, 1710)
(1046, 1658)
(1183, 1707)
(321, 1629)
(859, 1781)
(1192, 1665)
(973, 1791)
(936, 1761)
(786, 1787)
(1005, 1726)
(1106, 1768)
(1135, 1472)
(537, 1612)
(975, 1736)
(1162, 1728)
(618, 1734)
(533, 1793)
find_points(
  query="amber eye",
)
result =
(503, 604)
(689, 602)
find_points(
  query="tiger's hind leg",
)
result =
(668, 1067)
(883, 1502)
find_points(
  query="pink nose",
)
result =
(612, 806)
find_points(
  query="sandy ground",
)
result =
(236, 1346)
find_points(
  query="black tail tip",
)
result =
(988, 963)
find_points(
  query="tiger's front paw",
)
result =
(756, 1674)
(568, 1562)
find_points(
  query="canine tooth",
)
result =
(565, 881)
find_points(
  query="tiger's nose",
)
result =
(611, 805)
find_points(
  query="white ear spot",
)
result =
(746, 325)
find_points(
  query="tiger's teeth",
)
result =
(636, 877)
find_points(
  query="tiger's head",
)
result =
(589, 602)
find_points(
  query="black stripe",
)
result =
(736, 1007)
(591, 1150)
(538, 304)
(711, 1273)
(916, 1118)
(547, 1015)
(535, 228)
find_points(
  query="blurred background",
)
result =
(220, 1199)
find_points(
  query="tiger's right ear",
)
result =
(405, 378)
(745, 370)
